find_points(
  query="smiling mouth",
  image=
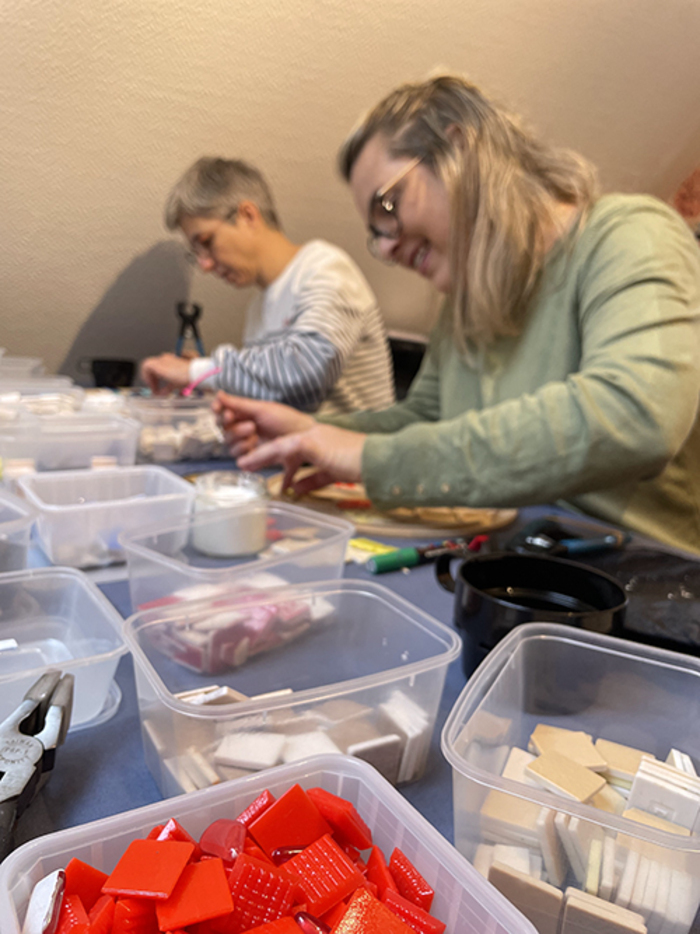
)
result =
(418, 260)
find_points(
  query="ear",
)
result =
(249, 213)
(455, 135)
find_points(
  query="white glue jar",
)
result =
(230, 514)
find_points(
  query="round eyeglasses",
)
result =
(201, 246)
(384, 221)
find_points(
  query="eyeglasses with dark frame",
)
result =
(384, 221)
(202, 249)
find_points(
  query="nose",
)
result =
(205, 263)
(385, 248)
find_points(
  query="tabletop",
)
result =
(100, 770)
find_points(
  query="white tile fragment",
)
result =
(250, 750)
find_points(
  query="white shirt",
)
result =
(314, 337)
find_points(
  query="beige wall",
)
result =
(104, 102)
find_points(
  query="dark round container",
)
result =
(109, 373)
(496, 592)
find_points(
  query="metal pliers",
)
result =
(29, 738)
(188, 315)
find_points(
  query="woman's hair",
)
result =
(503, 186)
(214, 187)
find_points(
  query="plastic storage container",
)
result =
(20, 366)
(16, 521)
(462, 899)
(177, 557)
(64, 402)
(175, 429)
(31, 385)
(355, 669)
(101, 400)
(38, 396)
(80, 513)
(635, 695)
(69, 442)
(57, 618)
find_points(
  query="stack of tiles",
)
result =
(393, 737)
(617, 881)
(200, 439)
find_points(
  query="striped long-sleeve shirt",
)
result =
(314, 339)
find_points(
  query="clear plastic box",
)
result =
(175, 557)
(463, 900)
(58, 619)
(627, 693)
(80, 513)
(105, 401)
(340, 666)
(63, 402)
(16, 521)
(175, 429)
(69, 442)
(20, 366)
(38, 395)
(32, 385)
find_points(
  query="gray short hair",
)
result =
(214, 187)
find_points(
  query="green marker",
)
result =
(411, 557)
(394, 560)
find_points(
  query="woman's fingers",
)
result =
(239, 431)
(241, 448)
(241, 437)
(336, 452)
(309, 483)
(279, 451)
(237, 408)
(291, 466)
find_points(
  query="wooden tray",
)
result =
(420, 522)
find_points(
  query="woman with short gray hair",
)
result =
(214, 187)
(314, 337)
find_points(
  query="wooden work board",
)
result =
(349, 501)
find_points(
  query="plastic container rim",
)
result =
(144, 409)
(313, 767)
(483, 680)
(74, 392)
(26, 518)
(20, 359)
(34, 385)
(128, 539)
(47, 476)
(111, 614)
(70, 423)
(164, 402)
(449, 638)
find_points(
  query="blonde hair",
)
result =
(214, 187)
(503, 186)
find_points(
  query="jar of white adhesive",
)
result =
(230, 514)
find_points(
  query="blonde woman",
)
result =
(566, 362)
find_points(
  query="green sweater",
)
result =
(594, 403)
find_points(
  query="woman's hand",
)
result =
(164, 373)
(249, 422)
(335, 452)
